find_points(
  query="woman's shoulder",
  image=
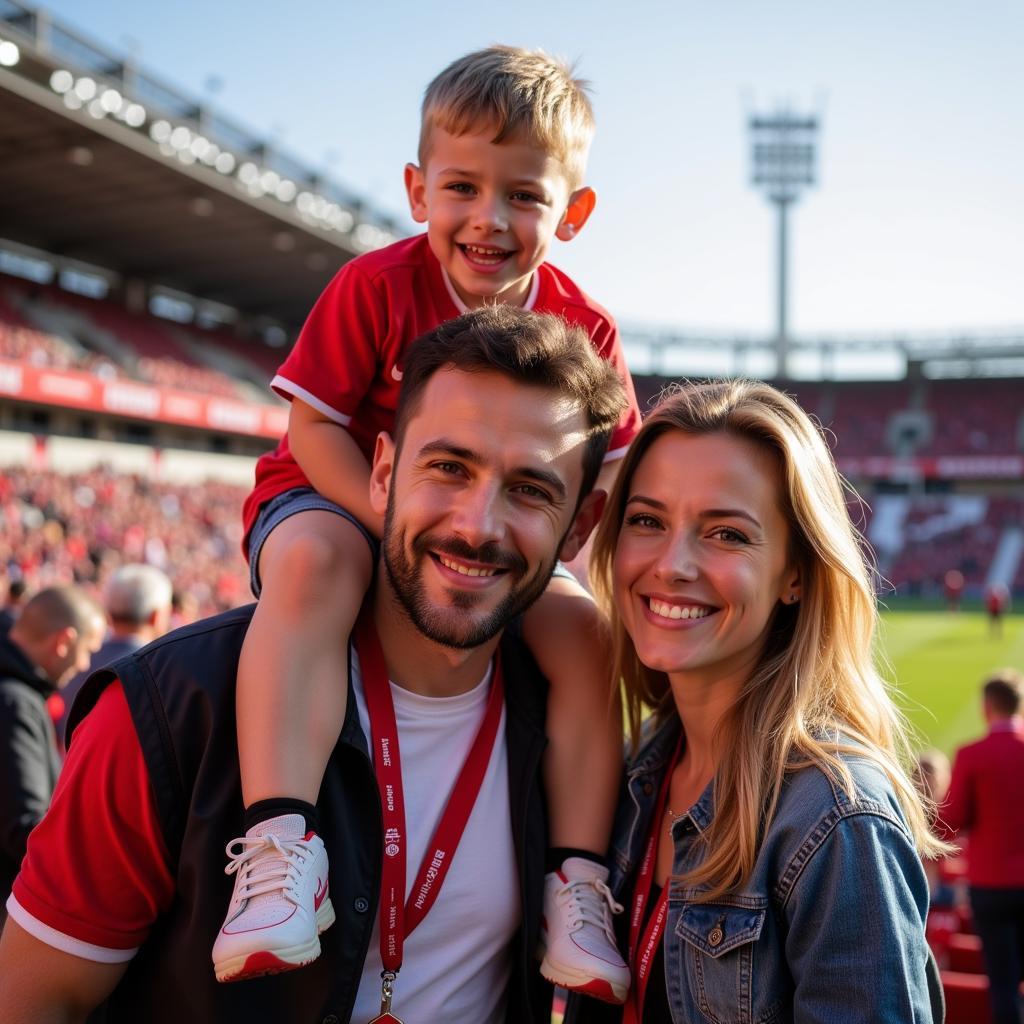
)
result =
(857, 785)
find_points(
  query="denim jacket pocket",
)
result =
(718, 950)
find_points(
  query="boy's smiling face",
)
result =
(491, 211)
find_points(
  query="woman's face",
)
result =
(703, 556)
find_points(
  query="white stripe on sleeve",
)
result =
(58, 940)
(280, 383)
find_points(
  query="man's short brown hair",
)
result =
(524, 95)
(1003, 691)
(537, 349)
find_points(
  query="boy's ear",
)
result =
(586, 519)
(416, 190)
(581, 206)
(380, 473)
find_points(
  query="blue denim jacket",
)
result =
(829, 927)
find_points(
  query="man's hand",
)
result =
(43, 985)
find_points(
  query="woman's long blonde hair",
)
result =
(816, 693)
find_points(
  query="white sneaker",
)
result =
(580, 953)
(280, 903)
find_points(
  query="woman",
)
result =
(767, 844)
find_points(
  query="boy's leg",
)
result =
(582, 768)
(315, 567)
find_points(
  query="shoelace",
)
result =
(282, 877)
(589, 903)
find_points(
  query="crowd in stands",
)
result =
(37, 348)
(136, 346)
(80, 527)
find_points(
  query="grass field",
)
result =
(938, 662)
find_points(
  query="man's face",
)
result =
(478, 501)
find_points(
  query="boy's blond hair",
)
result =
(525, 94)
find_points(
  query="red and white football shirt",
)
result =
(347, 362)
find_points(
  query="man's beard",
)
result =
(455, 626)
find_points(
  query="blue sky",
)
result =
(918, 220)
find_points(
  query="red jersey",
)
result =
(347, 362)
(96, 874)
(986, 800)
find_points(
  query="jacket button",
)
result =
(331, 1019)
(361, 906)
(716, 935)
(648, 788)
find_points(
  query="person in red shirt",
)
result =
(997, 601)
(986, 801)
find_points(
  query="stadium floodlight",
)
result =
(61, 80)
(85, 89)
(9, 53)
(782, 152)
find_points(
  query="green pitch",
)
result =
(939, 661)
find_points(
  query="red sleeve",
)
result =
(957, 810)
(335, 358)
(609, 347)
(96, 871)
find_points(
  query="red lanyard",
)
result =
(642, 949)
(399, 917)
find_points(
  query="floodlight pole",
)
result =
(783, 163)
(781, 328)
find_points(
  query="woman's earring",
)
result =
(792, 598)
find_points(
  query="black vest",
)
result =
(181, 694)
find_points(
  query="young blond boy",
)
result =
(503, 146)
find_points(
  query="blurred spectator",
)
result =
(184, 608)
(138, 603)
(997, 603)
(17, 593)
(986, 800)
(52, 639)
(953, 585)
(80, 527)
(931, 777)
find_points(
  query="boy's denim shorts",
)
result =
(277, 510)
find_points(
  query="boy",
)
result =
(503, 145)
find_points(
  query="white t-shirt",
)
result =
(457, 962)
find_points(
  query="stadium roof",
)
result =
(104, 165)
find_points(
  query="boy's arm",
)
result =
(43, 985)
(329, 456)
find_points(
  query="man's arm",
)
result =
(26, 754)
(43, 985)
(95, 878)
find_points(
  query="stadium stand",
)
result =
(55, 328)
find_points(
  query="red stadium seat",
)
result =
(966, 998)
(964, 954)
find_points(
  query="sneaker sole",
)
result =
(259, 963)
(585, 984)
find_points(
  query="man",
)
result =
(138, 603)
(986, 800)
(50, 641)
(17, 595)
(501, 431)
